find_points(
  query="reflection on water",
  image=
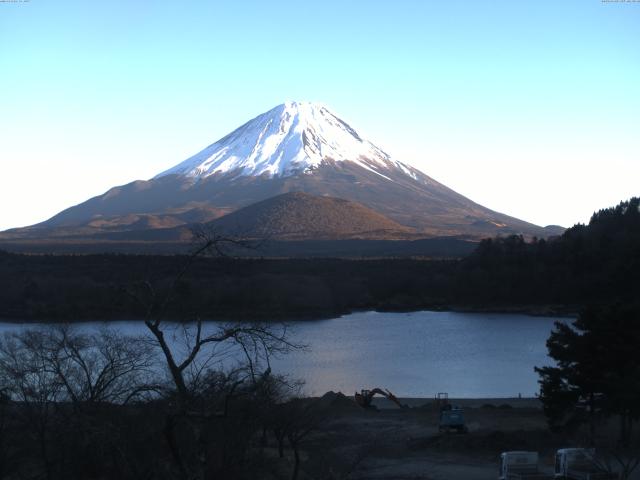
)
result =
(412, 354)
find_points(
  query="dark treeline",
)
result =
(595, 263)
(97, 286)
(589, 264)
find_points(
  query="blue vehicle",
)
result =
(452, 418)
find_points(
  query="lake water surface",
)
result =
(468, 355)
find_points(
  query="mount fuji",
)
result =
(294, 147)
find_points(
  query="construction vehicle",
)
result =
(365, 397)
(580, 464)
(520, 466)
(451, 416)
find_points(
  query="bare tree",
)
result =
(99, 367)
(31, 383)
(80, 367)
(71, 389)
(294, 419)
(627, 461)
(620, 460)
(61, 382)
(5, 442)
(222, 360)
(252, 343)
(305, 417)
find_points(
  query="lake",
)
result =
(417, 354)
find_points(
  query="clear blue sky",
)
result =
(529, 107)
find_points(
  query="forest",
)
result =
(594, 263)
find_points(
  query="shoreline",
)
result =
(560, 311)
(502, 403)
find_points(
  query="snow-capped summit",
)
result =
(292, 138)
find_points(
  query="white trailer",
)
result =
(580, 464)
(520, 466)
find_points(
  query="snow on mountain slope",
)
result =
(292, 138)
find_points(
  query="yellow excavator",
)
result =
(365, 397)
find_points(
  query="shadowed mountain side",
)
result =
(290, 216)
(130, 225)
(426, 205)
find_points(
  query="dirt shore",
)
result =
(388, 442)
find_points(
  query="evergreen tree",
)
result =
(598, 366)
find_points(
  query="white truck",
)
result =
(521, 466)
(580, 464)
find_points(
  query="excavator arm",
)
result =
(365, 397)
(394, 399)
